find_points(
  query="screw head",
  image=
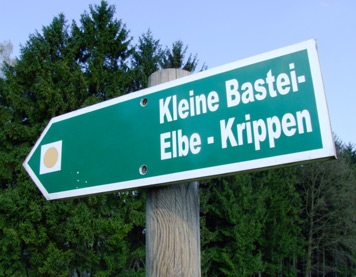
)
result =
(143, 102)
(143, 169)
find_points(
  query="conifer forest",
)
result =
(298, 220)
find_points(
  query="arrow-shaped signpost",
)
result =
(265, 111)
(260, 112)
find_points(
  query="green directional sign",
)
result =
(260, 112)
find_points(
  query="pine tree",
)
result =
(280, 243)
(55, 74)
(146, 58)
(175, 58)
(328, 192)
(103, 53)
(232, 222)
(35, 89)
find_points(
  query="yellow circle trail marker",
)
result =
(50, 157)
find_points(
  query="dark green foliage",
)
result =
(149, 57)
(60, 71)
(276, 222)
(280, 242)
(328, 192)
(103, 52)
(175, 58)
(349, 153)
(233, 210)
(146, 58)
(250, 224)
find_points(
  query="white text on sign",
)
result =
(175, 144)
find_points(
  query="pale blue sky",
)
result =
(225, 31)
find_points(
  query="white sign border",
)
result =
(327, 152)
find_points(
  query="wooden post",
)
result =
(172, 219)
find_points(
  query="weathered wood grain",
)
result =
(172, 219)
